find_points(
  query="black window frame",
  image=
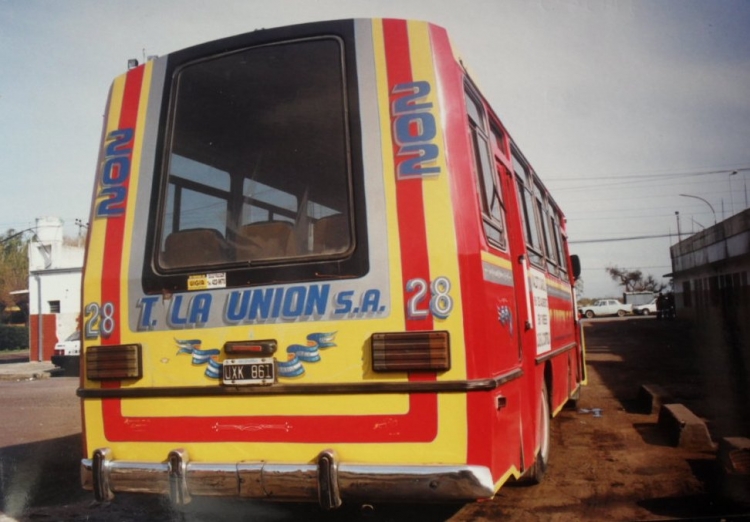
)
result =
(494, 226)
(527, 203)
(355, 263)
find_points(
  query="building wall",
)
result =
(49, 336)
(56, 296)
(711, 275)
(55, 270)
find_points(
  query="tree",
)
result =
(633, 280)
(14, 266)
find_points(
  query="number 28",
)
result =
(440, 304)
(100, 320)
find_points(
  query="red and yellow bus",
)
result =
(320, 269)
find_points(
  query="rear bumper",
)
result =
(325, 481)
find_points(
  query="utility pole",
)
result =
(679, 231)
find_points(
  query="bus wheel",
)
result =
(536, 473)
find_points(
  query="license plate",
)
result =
(256, 371)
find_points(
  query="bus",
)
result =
(319, 269)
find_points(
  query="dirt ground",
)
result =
(619, 465)
(610, 461)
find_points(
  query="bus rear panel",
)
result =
(312, 275)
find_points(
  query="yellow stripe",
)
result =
(438, 207)
(442, 246)
(389, 178)
(497, 261)
(95, 262)
(98, 226)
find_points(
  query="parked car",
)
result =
(68, 353)
(604, 307)
(645, 309)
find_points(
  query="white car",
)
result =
(606, 307)
(646, 309)
(67, 353)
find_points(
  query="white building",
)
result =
(55, 268)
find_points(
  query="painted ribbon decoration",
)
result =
(201, 357)
(298, 354)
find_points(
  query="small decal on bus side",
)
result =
(207, 281)
(114, 174)
(414, 130)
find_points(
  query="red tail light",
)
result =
(105, 363)
(411, 351)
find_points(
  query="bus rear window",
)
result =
(257, 163)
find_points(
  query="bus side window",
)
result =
(558, 244)
(543, 216)
(487, 177)
(526, 199)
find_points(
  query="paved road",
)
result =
(609, 461)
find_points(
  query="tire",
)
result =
(645, 311)
(537, 471)
(620, 313)
(589, 314)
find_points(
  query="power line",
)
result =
(615, 239)
(645, 177)
(626, 268)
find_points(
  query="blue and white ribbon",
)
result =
(201, 357)
(309, 353)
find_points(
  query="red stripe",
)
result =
(409, 198)
(113, 243)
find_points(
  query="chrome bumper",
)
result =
(325, 481)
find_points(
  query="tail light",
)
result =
(411, 351)
(104, 363)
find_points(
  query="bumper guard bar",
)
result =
(326, 480)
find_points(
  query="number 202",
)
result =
(115, 173)
(414, 129)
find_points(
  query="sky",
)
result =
(621, 106)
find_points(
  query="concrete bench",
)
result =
(684, 428)
(651, 397)
(733, 457)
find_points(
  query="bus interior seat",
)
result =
(331, 234)
(194, 246)
(265, 240)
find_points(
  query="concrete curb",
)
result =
(26, 371)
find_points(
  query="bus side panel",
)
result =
(487, 281)
(533, 375)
